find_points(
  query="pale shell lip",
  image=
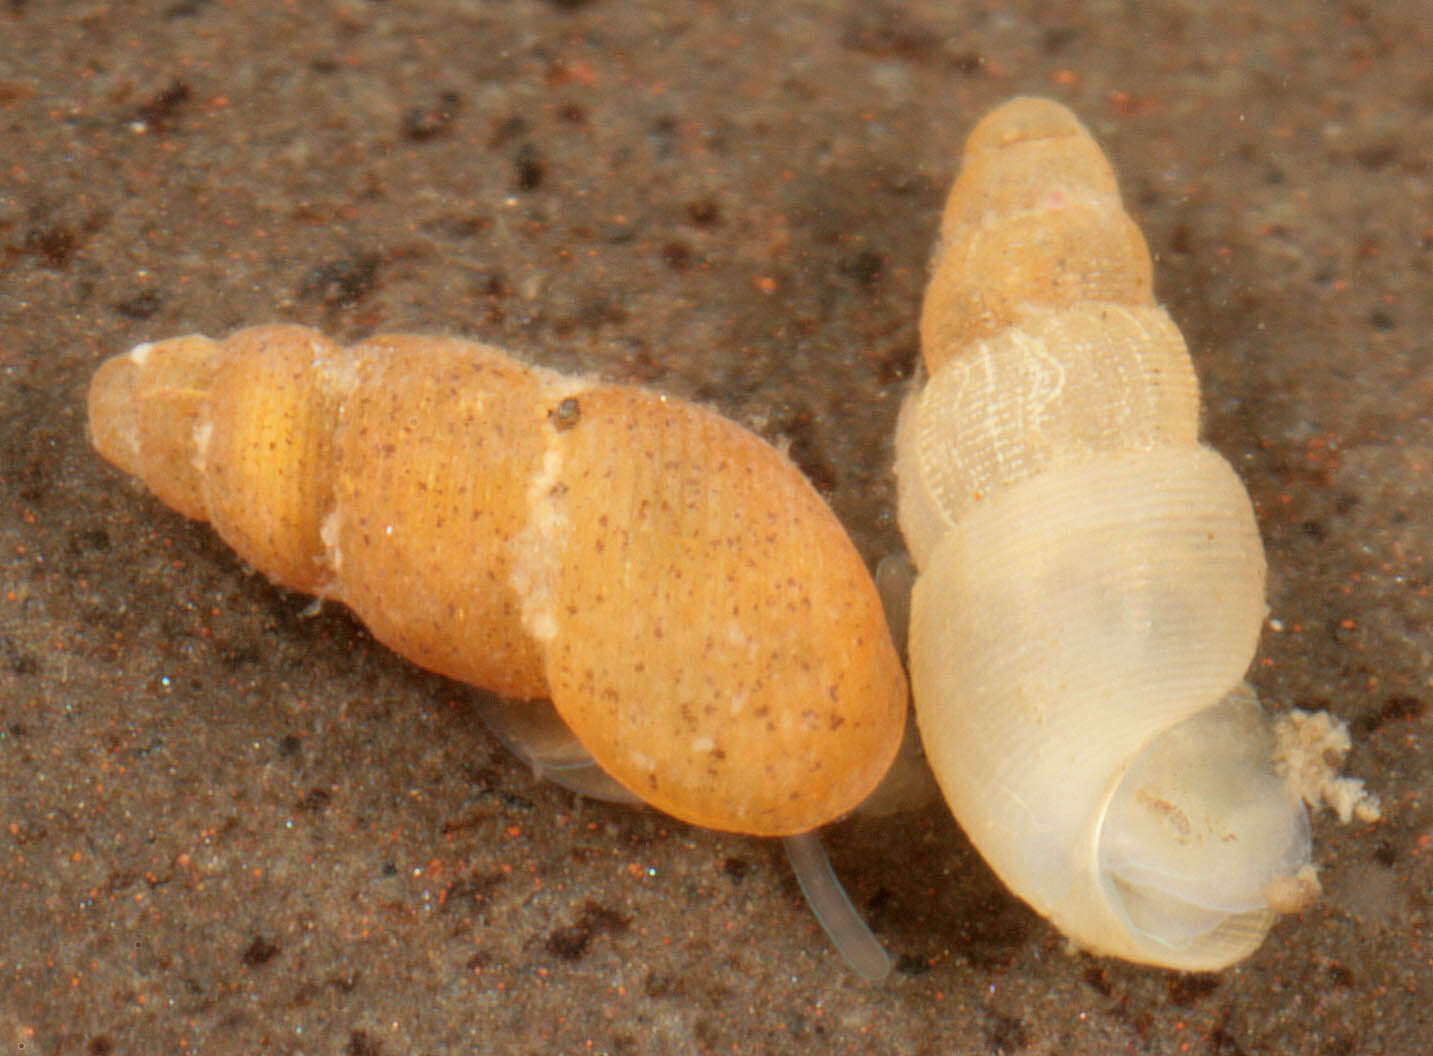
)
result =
(1199, 846)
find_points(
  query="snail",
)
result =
(1090, 587)
(695, 613)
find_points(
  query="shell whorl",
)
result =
(1096, 377)
(1091, 576)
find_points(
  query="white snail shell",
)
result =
(1091, 585)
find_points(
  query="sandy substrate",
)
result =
(229, 826)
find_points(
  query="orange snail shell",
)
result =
(693, 609)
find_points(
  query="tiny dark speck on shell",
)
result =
(566, 414)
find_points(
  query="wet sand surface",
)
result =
(229, 825)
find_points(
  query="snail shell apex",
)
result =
(1025, 164)
(691, 606)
